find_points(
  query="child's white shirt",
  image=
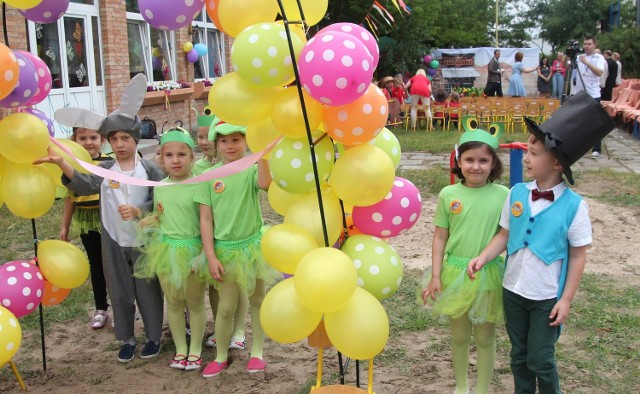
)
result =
(527, 275)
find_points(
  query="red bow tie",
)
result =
(547, 195)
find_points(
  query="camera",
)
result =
(573, 49)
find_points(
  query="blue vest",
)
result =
(545, 234)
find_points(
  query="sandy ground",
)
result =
(82, 360)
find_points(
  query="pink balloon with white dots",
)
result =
(361, 33)
(394, 214)
(21, 287)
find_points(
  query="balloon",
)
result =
(283, 245)
(362, 175)
(44, 78)
(306, 213)
(283, 317)
(10, 71)
(238, 102)
(280, 200)
(237, 15)
(23, 4)
(388, 142)
(261, 134)
(314, 10)
(55, 173)
(21, 287)
(77, 150)
(192, 56)
(378, 265)
(187, 46)
(169, 14)
(10, 335)
(297, 30)
(44, 118)
(325, 279)
(24, 138)
(201, 49)
(359, 121)
(63, 264)
(291, 166)
(28, 190)
(362, 34)
(393, 215)
(427, 59)
(287, 113)
(53, 295)
(431, 71)
(434, 64)
(260, 55)
(335, 68)
(361, 328)
(212, 12)
(47, 11)
(27, 84)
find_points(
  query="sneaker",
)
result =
(256, 364)
(211, 341)
(150, 350)
(595, 154)
(214, 368)
(99, 319)
(179, 361)
(193, 362)
(237, 343)
(126, 353)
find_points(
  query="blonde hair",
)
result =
(616, 56)
(421, 72)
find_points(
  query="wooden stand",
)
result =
(160, 96)
(17, 375)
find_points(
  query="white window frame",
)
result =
(202, 28)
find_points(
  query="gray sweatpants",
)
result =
(125, 291)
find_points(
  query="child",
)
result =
(85, 211)
(232, 246)
(466, 219)
(120, 205)
(205, 143)
(454, 102)
(546, 231)
(172, 252)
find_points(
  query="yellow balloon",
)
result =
(362, 175)
(261, 134)
(28, 190)
(238, 102)
(281, 200)
(325, 279)
(283, 246)
(287, 113)
(283, 317)
(77, 150)
(63, 264)
(10, 335)
(24, 138)
(237, 15)
(389, 144)
(360, 329)
(187, 46)
(54, 172)
(313, 10)
(297, 30)
(306, 213)
(23, 4)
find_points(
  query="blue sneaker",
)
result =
(126, 353)
(150, 350)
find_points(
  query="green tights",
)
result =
(240, 315)
(484, 334)
(194, 302)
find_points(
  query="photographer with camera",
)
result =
(586, 76)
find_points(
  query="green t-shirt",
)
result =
(471, 215)
(180, 217)
(201, 166)
(234, 202)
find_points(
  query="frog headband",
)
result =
(473, 133)
(224, 128)
(206, 118)
(177, 134)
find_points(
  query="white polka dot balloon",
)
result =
(10, 335)
(170, 14)
(10, 71)
(260, 55)
(27, 84)
(44, 78)
(394, 214)
(21, 287)
(46, 11)
(378, 265)
(388, 142)
(361, 33)
(335, 68)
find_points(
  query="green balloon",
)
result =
(388, 142)
(434, 64)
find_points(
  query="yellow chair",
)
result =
(423, 113)
(438, 114)
(484, 116)
(457, 111)
(517, 117)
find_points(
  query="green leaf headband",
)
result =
(177, 134)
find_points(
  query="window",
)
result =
(151, 51)
(213, 65)
(48, 44)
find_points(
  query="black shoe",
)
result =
(126, 353)
(150, 350)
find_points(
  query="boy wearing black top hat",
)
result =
(545, 228)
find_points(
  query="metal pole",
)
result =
(498, 22)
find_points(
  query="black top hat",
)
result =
(573, 130)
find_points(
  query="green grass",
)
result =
(440, 141)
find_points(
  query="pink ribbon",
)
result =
(221, 172)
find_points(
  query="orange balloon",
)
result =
(212, 11)
(10, 71)
(53, 295)
(359, 121)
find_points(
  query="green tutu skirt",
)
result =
(243, 262)
(481, 298)
(86, 219)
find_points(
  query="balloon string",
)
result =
(40, 310)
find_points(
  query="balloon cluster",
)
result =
(194, 51)
(25, 285)
(432, 65)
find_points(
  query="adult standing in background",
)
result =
(516, 85)
(544, 77)
(419, 89)
(616, 57)
(610, 82)
(559, 72)
(494, 78)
